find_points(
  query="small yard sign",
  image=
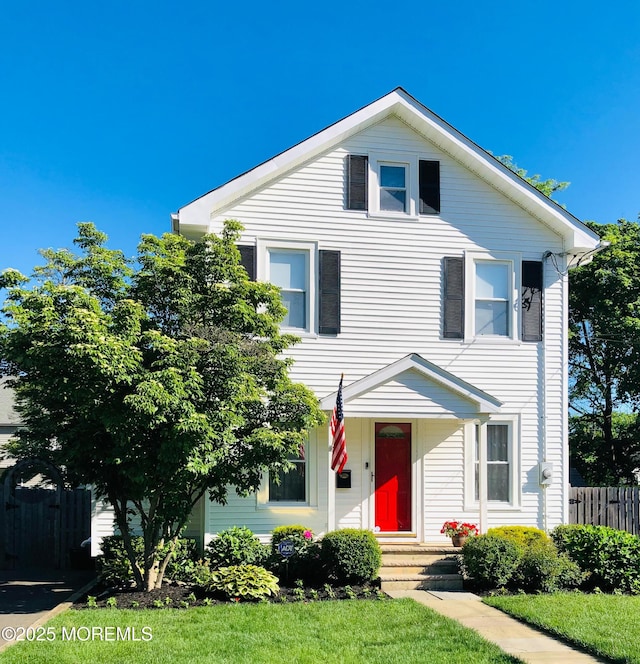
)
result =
(286, 548)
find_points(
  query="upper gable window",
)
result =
(392, 184)
(393, 188)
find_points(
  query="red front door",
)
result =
(393, 477)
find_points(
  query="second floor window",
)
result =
(492, 302)
(289, 270)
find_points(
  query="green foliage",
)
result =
(183, 561)
(610, 558)
(605, 449)
(547, 187)
(524, 536)
(305, 561)
(604, 358)
(245, 582)
(157, 384)
(542, 569)
(115, 566)
(490, 561)
(350, 555)
(235, 546)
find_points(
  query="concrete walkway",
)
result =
(512, 636)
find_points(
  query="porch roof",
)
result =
(413, 386)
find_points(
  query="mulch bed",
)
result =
(181, 596)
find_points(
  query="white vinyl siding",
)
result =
(391, 281)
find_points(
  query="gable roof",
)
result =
(479, 401)
(578, 238)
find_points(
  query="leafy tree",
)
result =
(547, 187)
(604, 358)
(604, 351)
(156, 383)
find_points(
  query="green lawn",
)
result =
(607, 625)
(348, 631)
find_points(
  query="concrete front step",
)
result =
(419, 566)
(420, 581)
(399, 560)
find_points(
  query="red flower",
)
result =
(451, 528)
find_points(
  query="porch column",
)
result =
(482, 475)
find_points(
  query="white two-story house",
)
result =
(434, 279)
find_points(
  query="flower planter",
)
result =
(458, 540)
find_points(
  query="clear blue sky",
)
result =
(121, 112)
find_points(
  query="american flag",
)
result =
(339, 451)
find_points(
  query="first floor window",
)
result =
(290, 486)
(289, 270)
(498, 463)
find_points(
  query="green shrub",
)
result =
(235, 546)
(244, 582)
(305, 561)
(350, 555)
(543, 569)
(609, 558)
(183, 561)
(490, 561)
(525, 537)
(299, 535)
(114, 564)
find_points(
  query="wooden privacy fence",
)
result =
(617, 507)
(41, 527)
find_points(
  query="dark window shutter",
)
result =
(531, 301)
(357, 176)
(429, 187)
(248, 260)
(329, 292)
(453, 305)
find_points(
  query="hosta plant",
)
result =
(243, 582)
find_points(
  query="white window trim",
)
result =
(515, 485)
(311, 489)
(264, 246)
(410, 163)
(514, 261)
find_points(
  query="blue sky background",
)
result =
(120, 113)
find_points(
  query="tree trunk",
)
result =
(165, 562)
(120, 511)
(152, 544)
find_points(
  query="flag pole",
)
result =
(331, 493)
